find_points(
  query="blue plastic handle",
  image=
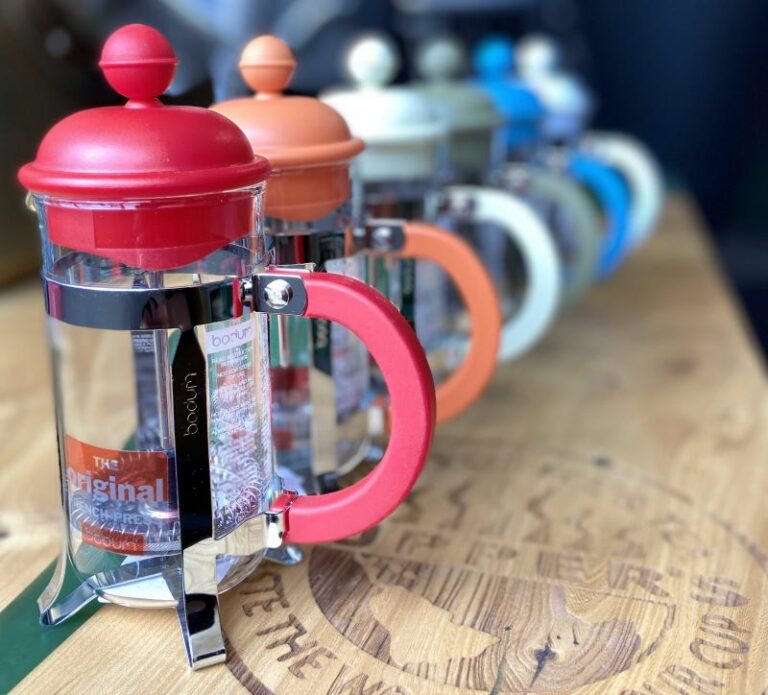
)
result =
(613, 196)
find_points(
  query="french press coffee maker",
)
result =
(540, 59)
(642, 174)
(570, 212)
(568, 108)
(442, 179)
(324, 403)
(158, 301)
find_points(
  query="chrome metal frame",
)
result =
(192, 582)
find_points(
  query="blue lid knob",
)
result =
(494, 56)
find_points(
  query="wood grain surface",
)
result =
(596, 524)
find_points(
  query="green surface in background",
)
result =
(24, 643)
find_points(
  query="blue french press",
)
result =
(567, 107)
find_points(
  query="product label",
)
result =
(350, 362)
(237, 420)
(107, 488)
(230, 337)
(431, 297)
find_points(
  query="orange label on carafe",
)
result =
(112, 492)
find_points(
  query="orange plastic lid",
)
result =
(289, 130)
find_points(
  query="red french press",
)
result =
(158, 297)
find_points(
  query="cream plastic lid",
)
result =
(537, 53)
(463, 106)
(401, 128)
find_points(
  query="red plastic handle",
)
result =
(392, 343)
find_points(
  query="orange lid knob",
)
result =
(267, 65)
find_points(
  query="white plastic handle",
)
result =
(643, 175)
(586, 226)
(542, 263)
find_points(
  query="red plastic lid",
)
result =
(145, 151)
(142, 149)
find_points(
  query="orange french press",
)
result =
(322, 377)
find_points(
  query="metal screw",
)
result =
(459, 204)
(382, 237)
(29, 201)
(519, 178)
(278, 293)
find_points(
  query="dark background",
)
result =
(685, 76)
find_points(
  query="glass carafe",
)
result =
(321, 371)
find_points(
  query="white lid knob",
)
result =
(373, 61)
(536, 54)
(440, 59)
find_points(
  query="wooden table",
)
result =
(597, 524)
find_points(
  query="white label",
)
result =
(351, 363)
(239, 464)
(227, 338)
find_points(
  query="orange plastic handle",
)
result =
(469, 275)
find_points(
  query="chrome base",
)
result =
(190, 579)
(287, 555)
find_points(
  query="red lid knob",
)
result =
(138, 62)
